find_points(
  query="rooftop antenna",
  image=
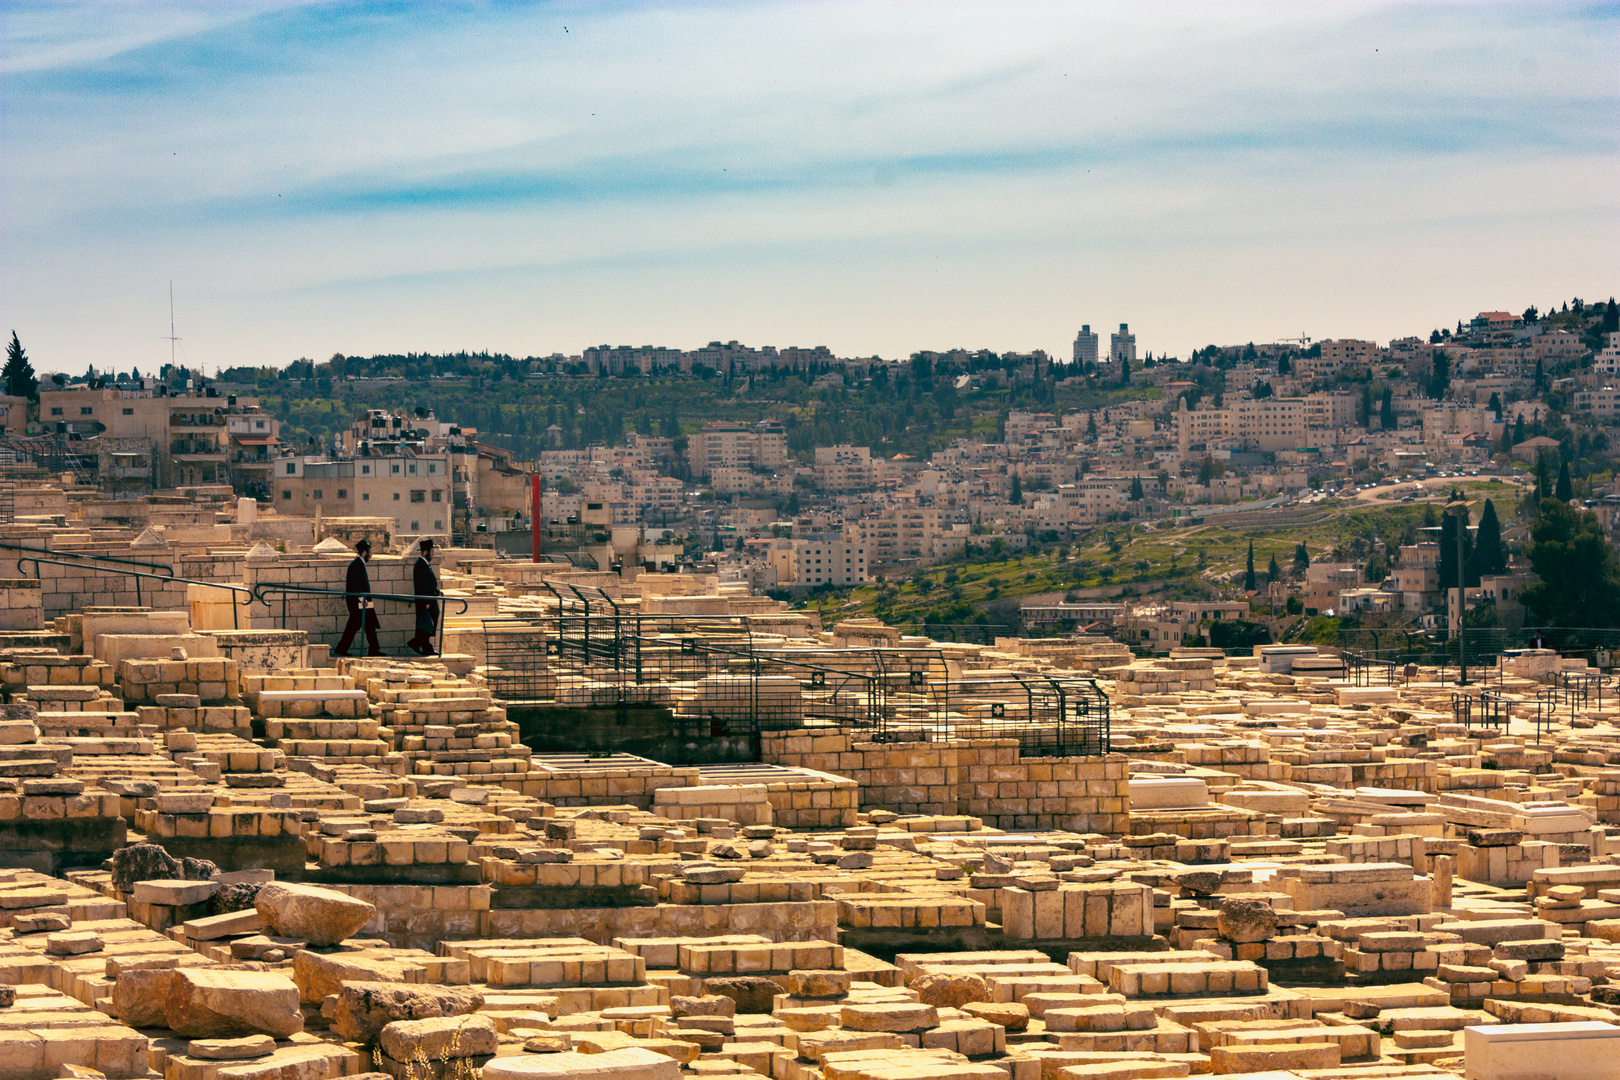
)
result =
(171, 338)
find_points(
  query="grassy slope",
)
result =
(1170, 553)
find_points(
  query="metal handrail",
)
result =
(87, 555)
(138, 575)
(311, 590)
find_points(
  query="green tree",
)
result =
(1136, 489)
(1441, 381)
(1386, 410)
(1490, 557)
(1016, 496)
(19, 373)
(1495, 404)
(1364, 406)
(1563, 491)
(1543, 476)
(1579, 572)
(1249, 583)
(1302, 557)
(1273, 571)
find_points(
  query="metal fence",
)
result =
(716, 677)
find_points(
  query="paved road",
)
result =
(1385, 492)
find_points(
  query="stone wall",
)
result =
(66, 589)
(990, 779)
(815, 920)
(21, 606)
(323, 617)
(602, 787)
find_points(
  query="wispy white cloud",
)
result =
(57, 34)
(994, 172)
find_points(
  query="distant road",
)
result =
(1389, 492)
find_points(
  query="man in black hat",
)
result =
(426, 586)
(357, 596)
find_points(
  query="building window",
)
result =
(86, 410)
(286, 494)
(365, 496)
(411, 468)
(432, 468)
(396, 496)
(316, 493)
(365, 470)
(129, 412)
(418, 496)
(394, 470)
(292, 469)
(56, 412)
(438, 496)
(438, 524)
(416, 527)
(343, 493)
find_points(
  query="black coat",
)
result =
(358, 581)
(422, 578)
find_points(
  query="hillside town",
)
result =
(1271, 430)
(396, 756)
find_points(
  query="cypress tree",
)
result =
(19, 373)
(1563, 492)
(1249, 583)
(1489, 555)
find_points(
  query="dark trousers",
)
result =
(427, 624)
(359, 616)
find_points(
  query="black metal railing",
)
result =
(141, 575)
(286, 591)
(716, 676)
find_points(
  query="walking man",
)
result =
(426, 586)
(357, 596)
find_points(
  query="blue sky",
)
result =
(876, 177)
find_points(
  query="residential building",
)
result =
(1340, 354)
(843, 468)
(819, 559)
(1122, 346)
(414, 491)
(1085, 347)
(727, 444)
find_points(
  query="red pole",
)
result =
(535, 522)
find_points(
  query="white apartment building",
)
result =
(1265, 424)
(1340, 354)
(1443, 426)
(1607, 361)
(844, 468)
(1092, 498)
(659, 495)
(726, 444)
(1331, 410)
(1122, 346)
(415, 491)
(820, 559)
(1085, 346)
(903, 532)
(1603, 402)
